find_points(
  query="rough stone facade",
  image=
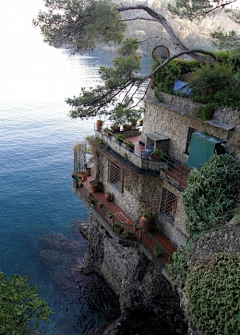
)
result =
(140, 284)
(142, 193)
(173, 119)
(176, 230)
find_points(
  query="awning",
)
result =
(157, 137)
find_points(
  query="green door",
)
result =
(202, 147)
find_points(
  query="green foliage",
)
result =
(79, 24)
(210, 196)
(124, 113)
(128, 233)
(195, 9)
(20, 305)
(225, 40)
(178, 266)
(213, 292)
(119, 138)
(158, 251)
(217, 83)
(205, 112)
(166, 76)
(123, 74)
(157, 152)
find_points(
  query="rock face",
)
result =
(146, 297)
(221, 241)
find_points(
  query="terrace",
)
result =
(118, 223)
(168, 168)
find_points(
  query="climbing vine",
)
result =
(213, 292)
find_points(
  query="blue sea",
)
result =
(36, 160)
(38, 209)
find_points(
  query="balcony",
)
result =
(168, 168)
(121, 225)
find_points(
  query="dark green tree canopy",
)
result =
(85, 24)
(21, 308)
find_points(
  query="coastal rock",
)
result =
(144, 293)
(225, 240)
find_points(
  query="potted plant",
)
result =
(110, 215)
(157, 251)
(119, 138)
(133, 122)
(99, 124)
(147, 221)
(124, 113)
(129, 234)
(115, 127)
(107, 131)
(108, 196)
(100, 204)
(83, 175)
(129, 145)
(157, 154)
(117, 227)
(127, 126)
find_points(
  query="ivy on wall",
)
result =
(213, 293)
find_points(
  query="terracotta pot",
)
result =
(115, 130)
(84, 177)
(155, 158)
(147, 223)
(108, 197)
(99, 125)
(127, 127)
(94, 186)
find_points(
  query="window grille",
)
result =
(115, 175)
(168, 205)
(189, 137)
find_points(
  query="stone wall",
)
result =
(173, 119)
(175, 231)
(141, 193)
(140, 284)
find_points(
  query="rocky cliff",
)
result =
(148, 303)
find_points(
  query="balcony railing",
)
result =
(125, 231)
(169, 168)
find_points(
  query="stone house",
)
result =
(139, 184)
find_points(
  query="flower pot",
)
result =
(155, 158)
(127, 127)
(99, 125)
(108, 197)
(95, 187)
(84, 177)
(147, 223)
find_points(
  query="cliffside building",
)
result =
(139, 183)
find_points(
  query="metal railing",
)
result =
(131, 232)
(168, 167)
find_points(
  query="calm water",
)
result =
(37, 205)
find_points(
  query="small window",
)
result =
(189, 137)
(168, 205)
(115, 176)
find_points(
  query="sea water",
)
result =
(37, 203)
